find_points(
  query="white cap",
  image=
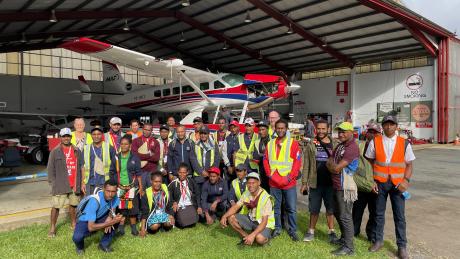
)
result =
(115, 120)
(253, 175)
(65, 131)
(249, 121)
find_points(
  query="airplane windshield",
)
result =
(233, 79)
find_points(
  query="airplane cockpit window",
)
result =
(233, 79)
(218, 85)
(166, 92)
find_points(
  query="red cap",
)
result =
(234, 123)
(215, 170)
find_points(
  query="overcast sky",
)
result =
(443, 12)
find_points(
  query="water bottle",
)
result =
(406, 195)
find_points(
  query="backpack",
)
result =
(82, 205)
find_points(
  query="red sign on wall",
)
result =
(342, 88)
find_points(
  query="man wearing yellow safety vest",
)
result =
(391, 157)
(273, 117)
(238, 186)
(282, 165)
(98, 157)
(205, 156)
(80, 138)
(221, 124)
(246, 147)
(256, 220)
(156, 206)
(197, 124)
(171, 122)
(113, 136)
(232, 142)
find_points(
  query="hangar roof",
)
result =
(282, 35)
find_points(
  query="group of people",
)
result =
(247, 180)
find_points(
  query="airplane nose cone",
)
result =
(293, 87)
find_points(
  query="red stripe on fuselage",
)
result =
(85, 45)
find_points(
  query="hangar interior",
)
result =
(355, 59)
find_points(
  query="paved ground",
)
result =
(432, 212)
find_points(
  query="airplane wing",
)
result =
(167, 69)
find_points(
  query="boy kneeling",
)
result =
(256, 215)
(156, 207)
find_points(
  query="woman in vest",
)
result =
(185, 198)
(156, 207)
(126, 171)
(256, 209)
(79, 137)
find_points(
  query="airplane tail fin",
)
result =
(113, 80)
(84, 89)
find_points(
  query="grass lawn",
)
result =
(201, 241)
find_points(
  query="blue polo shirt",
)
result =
(94, 211)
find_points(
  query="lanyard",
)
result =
(67, 155)
(184, 189)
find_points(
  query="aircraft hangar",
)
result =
(354, 59)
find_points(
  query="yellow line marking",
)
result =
(28, 212)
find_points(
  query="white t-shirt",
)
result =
(389, 147)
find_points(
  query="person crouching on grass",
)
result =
(256, 220)
(214, 196)
(157, 212)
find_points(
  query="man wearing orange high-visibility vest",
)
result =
(391, 157)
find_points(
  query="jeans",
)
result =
(81, 232)
(342, 212)
(289, 197)
(365, 199)
(397, 205)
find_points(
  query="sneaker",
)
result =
(134, 230)
(309, 237)
(337, 241)
(121, 230)
(80, 251)
(342, 251)
(332, 237)
(105, 249)
(276, 233)
(294, 237)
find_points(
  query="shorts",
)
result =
(247, 224)
(319, 194)
(60, 200)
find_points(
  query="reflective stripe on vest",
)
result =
(236, 187)
(395, 168)
(263, 199)
(88, 139)
(246, 153)
(149, 194)
(284, 161)
(199, 158)
(108, 139)
(106, 160)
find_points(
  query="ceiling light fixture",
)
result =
(23, 38)
(260, 55)
(126, 27)
(248, 18)
(290, 31)
(182, 38)
(324, 44)
(225, 46)
(53, 16)
(185, 2)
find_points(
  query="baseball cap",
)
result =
(97, 128)
(391, 118)
(65, 131)
(372, 125)
(249, 121)
(115, 120)
(346, 126)
(263, 123)
(240, 167)
(253, 175)
(164, 127)
(197, 119)
(234, 123)
(215, 170)
(204, 130)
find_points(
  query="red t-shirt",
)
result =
(71, 162)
